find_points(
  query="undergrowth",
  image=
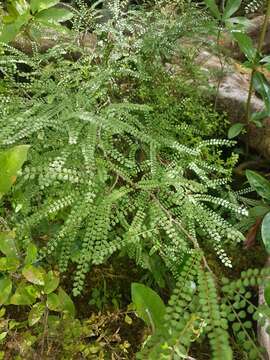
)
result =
(126, 158)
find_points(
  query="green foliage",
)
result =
(149, 306)
(23, 15)
(124, 159)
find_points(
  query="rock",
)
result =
(232, 97)
(50, 38)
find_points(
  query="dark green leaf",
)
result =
(231, 7)
(67, 305)
(262, 87)
(211, 4)
(5, 289)
(54, 16)
(246, 45)
(267, 293)
(235, 130)
(149, 306)
(259, 184)
(266, 232)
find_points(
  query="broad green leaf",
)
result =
(258, 116)
(21, 7)
(11, 162)
(24, 295)
(265, 59)
(36, 313)
(149, 306)
(246, 45)
(67, 305)
(242, 22)
(3, 335)
(267, 293)
(31, 254)
(51, 282)
(54, 16)
(8, 244)
(235, 130)
(53, 302)
(2, 311)
(231, 7)
(9, 264)
(211, 4)
(5, 289)
(259, 211)
(266, 232)
(34, 274)
(259, 184)
(39, 5)
(9, 31)
(263, 88)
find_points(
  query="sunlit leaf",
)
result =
(53, 302)
(24, 295)
(36, 313)
(11, 162)
(9, 264)
(33, 274)
(8, 244)
(5, 289)
(51, 282)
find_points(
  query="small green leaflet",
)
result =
(149, 305)
(235, 130)
(265, 230)
(259, 184)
